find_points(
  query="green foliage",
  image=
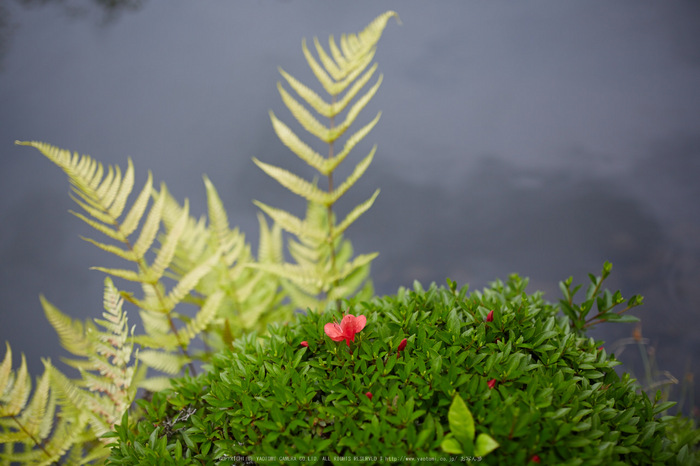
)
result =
(604, 300)
(323, 271)
(103, 196)
(436, 372)
(178, 260)
(515, 385)
(84, 409)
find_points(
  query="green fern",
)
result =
(200, 262)
(107, 386)
(84, 409)
(323, 272)
(102, 196)
(251, 297)
(312, 276)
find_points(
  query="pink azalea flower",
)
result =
(489, 318)
(346, 330)
(492, 383)
(305, 344)
(369, 395)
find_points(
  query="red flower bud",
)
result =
(535, 459)
(305, 344)
(369, 395)
(402, 345)
(489, 318)
(492, 383)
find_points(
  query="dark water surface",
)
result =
(541, 138)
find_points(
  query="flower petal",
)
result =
(334, 331)
(351, 325)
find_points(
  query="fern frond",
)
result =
(133, 217)
(187, 283)
(27, 433)
(41, 406)
(352, 71)
(71, 332)
(162, 361)
(205, 315)
(168, 245)
(103, 194)
(15, 388)
(270, 247)
(218, 220)
(313, 273)
(346, 70)
(109, 376)
(151, 225)
(247, 294)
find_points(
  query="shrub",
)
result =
(431, 371)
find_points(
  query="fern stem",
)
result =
(36, 442)
(143, 267)
(190, 364)
(331, 153)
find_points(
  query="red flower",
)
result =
(369, 395)
(492, 383)
(305, 344)
(346, 330)
(489, 318)
(535, 459)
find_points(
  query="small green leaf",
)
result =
(485, 444)
(461, 421)
(450, 444)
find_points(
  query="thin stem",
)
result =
(330, 208)
(141, 263)
(590, 321)
(38, 444)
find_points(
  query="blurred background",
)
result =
(541, 138)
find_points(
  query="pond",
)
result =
(542, 139)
